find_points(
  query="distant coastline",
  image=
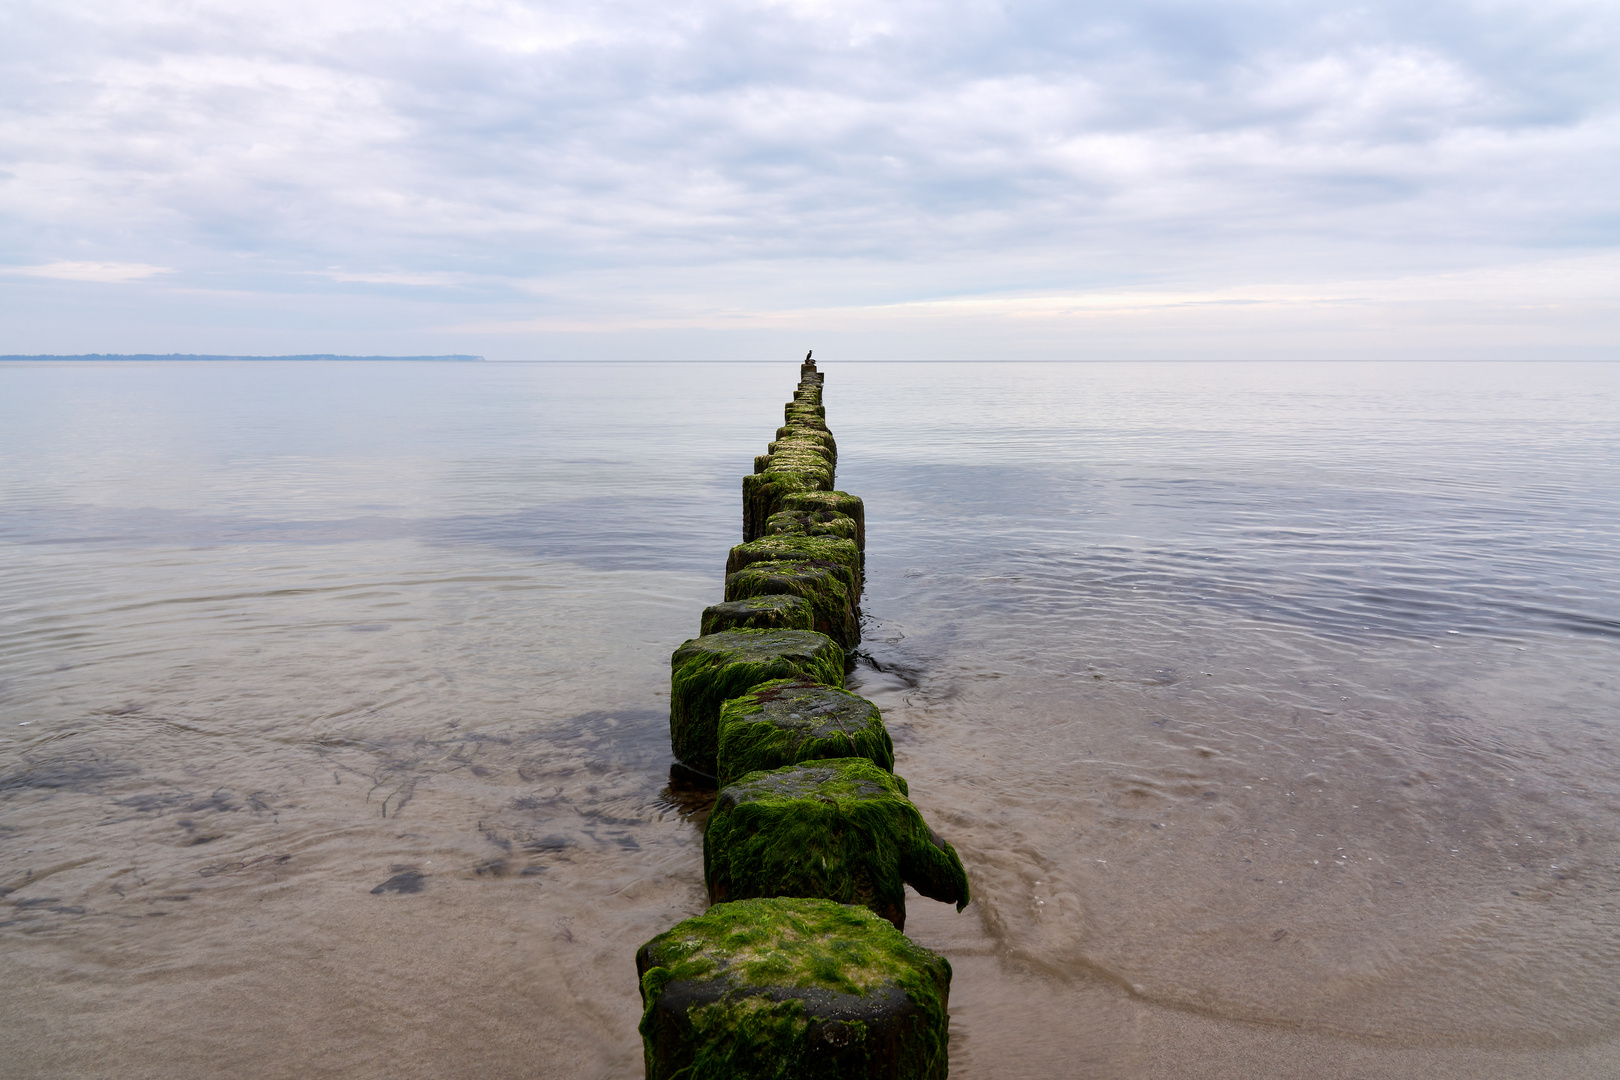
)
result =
(200, 356)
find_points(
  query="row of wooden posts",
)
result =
(799, 968)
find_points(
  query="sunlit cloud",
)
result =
(113, 273)
(1590, 282)
(395, 277)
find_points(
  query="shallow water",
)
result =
(1271, 707)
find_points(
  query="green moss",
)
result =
(841, 829)
(818, 433)
(811, 523)
(822, 550)
(801, 447)
(796, 411)
(802, 444)
(792, 989)
(836, 501)
(786, 523)
(706, 671)
(761, 462)
(816, 474)
(762, 496)
(812, 467)
(810, 426)
(823, 585)
(775, 612)
(746, 1035)
(800, 943)
(788, 721)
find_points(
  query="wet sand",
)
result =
(166, 921)
(475, 977)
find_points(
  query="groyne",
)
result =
(800, 967)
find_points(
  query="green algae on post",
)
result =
(771, 986)
(801, 412)
(824, 585)
(707, 671)
(823, 550)
(808, 440)
(775, 612)
(810, 523)
(819, 434)
(762, 496)
(812, 466)
(812, 450)
(805, 441)
(792, 989)
(788, 721)
(836, 501)
(841, 829)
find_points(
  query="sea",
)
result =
(1272, 707)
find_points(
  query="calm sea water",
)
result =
(1272, 707)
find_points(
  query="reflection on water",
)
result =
(1271, 707)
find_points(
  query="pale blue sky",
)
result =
(876, 180)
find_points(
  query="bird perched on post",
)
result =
(807, 356)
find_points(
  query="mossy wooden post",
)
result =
(807, 464)
(706, 671)
(811, 523)
(832, 551)
(777, 611)
(841, 829)
(803, 458)
(792, 989)
(798, 970)
(802, 441)
(819, 434)
(789, 721)
(825, 586)
(836, 501)
(763, 493)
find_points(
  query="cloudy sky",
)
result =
(1161, 180)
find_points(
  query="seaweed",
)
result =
(824, 584)
(817, 432)
(707, 671)
(841, 829)
(797, 410)
(777, 611)
(811, 523)
(836, 501)
(812, 467)
(823, 550)
(802, 443)
(763, 494)
(788, 721)
(792, 989)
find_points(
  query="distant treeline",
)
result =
(198, 356)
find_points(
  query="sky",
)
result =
(875, 180)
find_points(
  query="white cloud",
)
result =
(514, 155)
